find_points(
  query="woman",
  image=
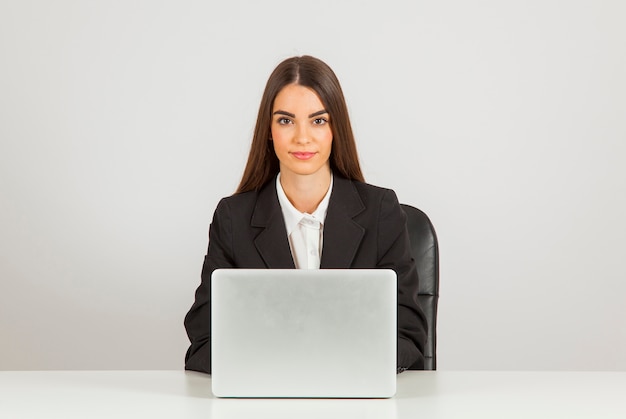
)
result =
(302, 203)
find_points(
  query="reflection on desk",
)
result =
(421, 394)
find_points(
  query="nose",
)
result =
(303, 136)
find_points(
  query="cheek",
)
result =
(277, 131)
(279, 145)
(279, 135)
(328, 139)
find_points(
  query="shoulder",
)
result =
(236, 201)
(383, 206)
(371, 194)
(373, 190)
(364, 201)
(239, 199)
(243, 204)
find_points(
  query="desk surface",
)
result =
(178, 394)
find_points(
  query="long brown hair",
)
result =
(313, 73)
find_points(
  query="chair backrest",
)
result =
(425, 251)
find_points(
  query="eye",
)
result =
(283, 121)
(320, 121)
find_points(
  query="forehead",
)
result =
(295, 96)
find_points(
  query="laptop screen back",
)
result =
(304, 333)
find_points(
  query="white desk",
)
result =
(428, 395)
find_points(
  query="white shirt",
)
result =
(304, 231)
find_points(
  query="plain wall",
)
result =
(122, 123)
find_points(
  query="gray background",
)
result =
(123, 122)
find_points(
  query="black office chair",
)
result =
(425, 251)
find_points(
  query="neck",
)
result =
(306, 192)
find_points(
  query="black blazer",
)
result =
(365, 227)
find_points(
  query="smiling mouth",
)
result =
(303, 155)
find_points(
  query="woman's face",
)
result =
(301, 131)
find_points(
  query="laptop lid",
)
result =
(304, 333)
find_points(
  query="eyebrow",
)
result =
(291, 115)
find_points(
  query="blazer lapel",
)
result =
(272, 242)
(342, 235)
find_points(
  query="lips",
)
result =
(303, 155)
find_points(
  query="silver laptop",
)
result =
(303, 333)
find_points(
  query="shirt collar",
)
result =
(292, 216)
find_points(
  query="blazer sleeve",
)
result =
(395, 253)
(198, 319)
